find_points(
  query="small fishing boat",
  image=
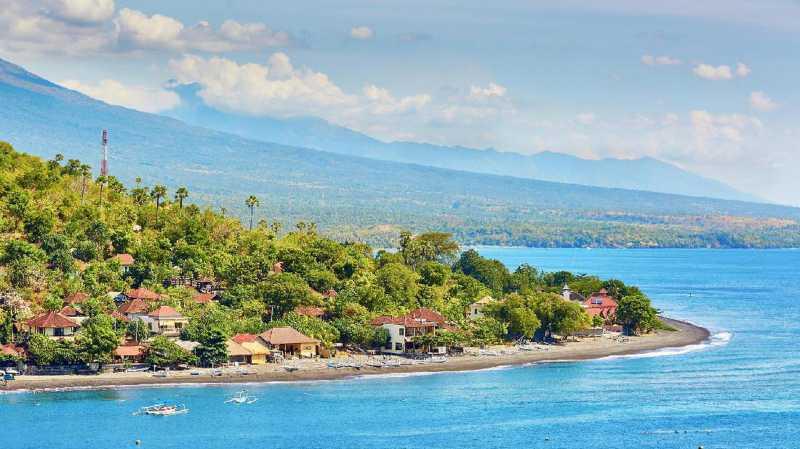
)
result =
(241, 398)
(334, 365)
(291, 368)
(216, 372)
(391, 363)
(437, 359)
(160, 374)
(163, 410)
(374, 364)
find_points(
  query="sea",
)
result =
(739, 389)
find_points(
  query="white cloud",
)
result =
(659, 60)
(140, 30)
(492, 90)
(742, 70)
(361, 32)
(710, 72)
(90, 27)
(760, 101)
(81, 11)
(585, 118)
(721, 72)
(146, 99)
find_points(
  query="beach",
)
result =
(686, 334)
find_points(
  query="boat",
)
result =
(437, 359)
(488, 353)
(334, 365)
(391, 363)
(291, 368)
(241, 398)
(160, 374)
(216, 372)
(374, 364)
(163, 410)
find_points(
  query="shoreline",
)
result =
(687, 334)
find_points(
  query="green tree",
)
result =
(164, 352)
(137, 330)
(181, 194)
(636, 314)
(252, 202)
(159, 192)
(523, 322)
(212, 349)
(399, 282)
(97, 338)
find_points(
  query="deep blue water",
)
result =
(741, 393)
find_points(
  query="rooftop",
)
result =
(51, 320)
(285, 336)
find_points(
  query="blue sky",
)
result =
(710, 86)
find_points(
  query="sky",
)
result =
(709, 86)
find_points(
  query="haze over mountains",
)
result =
(355, 197)
(310, 132)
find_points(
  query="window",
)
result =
(398, 346)
(58, 332)
(402, 331)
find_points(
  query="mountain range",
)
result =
(311, 132)
(361, 198)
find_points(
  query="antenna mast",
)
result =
(104, 161)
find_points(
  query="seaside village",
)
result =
(99, 277)
(410, 337)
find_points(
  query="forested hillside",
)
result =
(357, 198)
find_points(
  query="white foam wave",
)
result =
(715, 340)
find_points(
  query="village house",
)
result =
(259, 351)
(166, 321)
(238, 353)
(142, 293)
(476, 308)
(290, 342)
(76, 298)
(53, 325)
(134, 308)
(125, 261)
(403, 330)
(205, 298)
(74, 314)
(129, 352)
(601, 304)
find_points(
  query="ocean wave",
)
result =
(715, 340)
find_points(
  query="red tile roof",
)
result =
(76, 298)
(124, 259)
(116, 315)
(285, 336)
(136, 305)
(244, 338)
(204, 298)
(165, 312)
(330, 293)
(143, 293)
(129, 351)
(310, 311)
(427, 315)
(12, 350)
(70, 311)
(53, 320)
(600, 304)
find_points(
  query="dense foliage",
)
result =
(60, 231)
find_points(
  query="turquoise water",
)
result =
(740, 391)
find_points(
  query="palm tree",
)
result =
(159, 192)
(181, 195)
(85, 171)
(252, 202)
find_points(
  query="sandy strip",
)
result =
(589, 348)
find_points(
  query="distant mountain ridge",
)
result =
(636, 174)
(360, 198)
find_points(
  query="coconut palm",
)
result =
(181, 195)
(159, 191)
(252, 202)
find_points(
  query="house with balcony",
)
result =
(404, 330)
(166, 321)
(54, 325)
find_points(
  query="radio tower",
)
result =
(104, 161)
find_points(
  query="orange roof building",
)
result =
(53, 324)
(601, 304)
(290, 341)
(76, 298)
(124, 259)
(316, 312)
(167, 321)
(133, 307)
(142, 293)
